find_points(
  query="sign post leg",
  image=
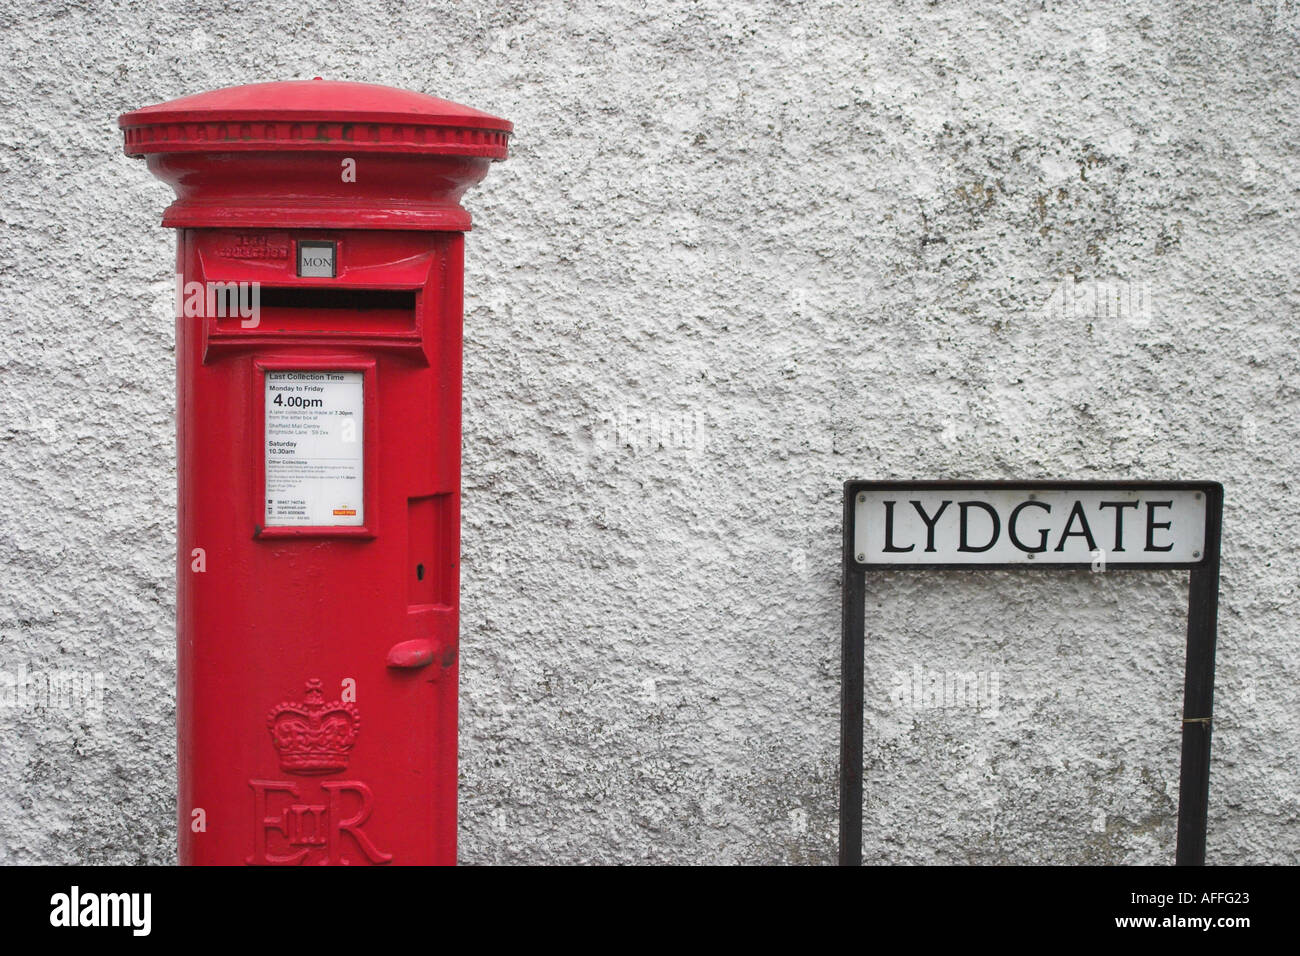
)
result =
(1198, 696)
(852, 638)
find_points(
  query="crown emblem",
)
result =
(313, 737)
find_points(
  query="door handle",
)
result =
(430, 639)
(411, 655)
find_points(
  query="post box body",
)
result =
(318, 436)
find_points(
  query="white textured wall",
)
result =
(812, 242)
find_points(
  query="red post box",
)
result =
(318, 393)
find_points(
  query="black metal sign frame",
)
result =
(1198, 682)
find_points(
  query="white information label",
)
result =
(906, 526)
(314, 448)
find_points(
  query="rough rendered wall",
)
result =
(741, 252)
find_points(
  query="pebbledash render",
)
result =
(740, 252)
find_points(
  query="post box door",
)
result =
(322, 445)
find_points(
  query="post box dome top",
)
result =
(314, 115)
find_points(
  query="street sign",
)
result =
(1102, 525)
(1006, 526)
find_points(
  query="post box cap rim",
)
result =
(336, 101)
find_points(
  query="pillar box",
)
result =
(319, 266)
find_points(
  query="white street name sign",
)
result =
(956, 524)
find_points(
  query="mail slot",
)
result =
(320, 243)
